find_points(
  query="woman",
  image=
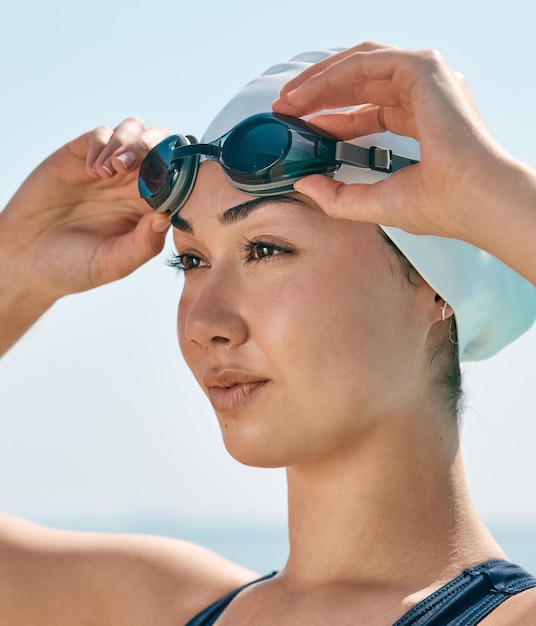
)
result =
(319, 347)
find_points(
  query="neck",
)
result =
(396, 503)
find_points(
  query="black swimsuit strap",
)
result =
(208, 616)
(464, 601)
(471, 596)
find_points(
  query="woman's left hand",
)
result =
(465, 186)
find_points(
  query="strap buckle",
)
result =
(381, 159)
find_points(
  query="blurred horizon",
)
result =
(264, 547)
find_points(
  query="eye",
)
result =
(186, 262)
(260, 250)
(189, 262)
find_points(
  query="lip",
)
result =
(229, 391)
(231, 399)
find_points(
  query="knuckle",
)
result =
(135, 121)
(432, 57)
(160, 130)
(101, 131)
(369, 46)
(129, 125)
(154, 135)
(429, 61)
(460, 77)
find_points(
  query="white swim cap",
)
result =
(493, 304)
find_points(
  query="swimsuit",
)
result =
(464, 601)
(468, 598)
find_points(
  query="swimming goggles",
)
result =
(262, 155)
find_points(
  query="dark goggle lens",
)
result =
(272, 152)
(252, 148)
(155, 167)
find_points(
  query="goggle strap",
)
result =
(374, 158)
(351, 154)
(398, 162)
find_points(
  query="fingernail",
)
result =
(281, 99)
(289, 95)
(108, 169)
(127, 159)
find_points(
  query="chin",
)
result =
(249, 446)
(254, 456)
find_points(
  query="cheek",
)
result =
(312, 329)
(182, 313)
(340, 342)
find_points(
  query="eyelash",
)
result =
(186, 262)
(179, 263)
(250, 247)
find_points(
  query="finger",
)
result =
(363, 120)
(357, 202)
(463, 85)
(129, 156)
(393, 201)
(327, 63)
(98, 140)
(127, 132)
(123, 254)
(339, 96)
(362, 77)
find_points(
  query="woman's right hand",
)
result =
(76, 222)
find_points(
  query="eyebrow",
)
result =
(240, 211)
(181, 224)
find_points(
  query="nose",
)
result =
(211, 315)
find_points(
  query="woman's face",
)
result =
(299, 328)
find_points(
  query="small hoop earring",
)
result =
(451, 338)
(444, 312)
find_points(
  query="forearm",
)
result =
(501, 218)
(20, 308)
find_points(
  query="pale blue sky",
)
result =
(99, 417)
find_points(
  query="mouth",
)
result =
(231, 398)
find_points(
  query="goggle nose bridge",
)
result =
(195, 149)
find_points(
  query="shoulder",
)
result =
(172, 579)
(111, 579)
(519, 609)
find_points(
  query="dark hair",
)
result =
(449, 379)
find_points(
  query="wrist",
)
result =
(21, 305)
(500, 212)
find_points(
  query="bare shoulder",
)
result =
(111, 579)
(518, 610)
(175, 579)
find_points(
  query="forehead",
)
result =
(212, 181)
(214, 198)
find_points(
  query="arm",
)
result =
(54, 578)
(466, 186)
(76, 223)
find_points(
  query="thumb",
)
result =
(148, 237)
(126, 252)
(357, 202)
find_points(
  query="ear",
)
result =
(442, 310)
